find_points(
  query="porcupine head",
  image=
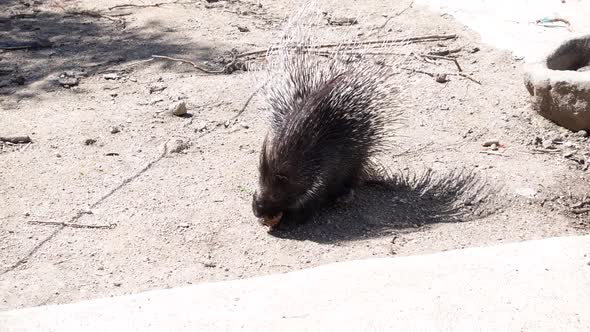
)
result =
(328, 117)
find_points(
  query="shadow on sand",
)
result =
(37, 43)
(393, 202)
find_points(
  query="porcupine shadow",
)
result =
(390, 202)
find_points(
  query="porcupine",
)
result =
(328, 118)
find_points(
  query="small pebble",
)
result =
(243, 29)
(157, 88)
(180, 109)
(202, 126)
(183, 225)
(548, 143)
(111, 76)
(89, 141)
(244, 125)
(68, 82)
(441, 78)
(179, 146)
(115, 130)
(491, 142)
(117, 284)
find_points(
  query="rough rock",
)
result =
(180, 109)
(559, 92)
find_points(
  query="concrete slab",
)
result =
(510, 24)
(540, 285)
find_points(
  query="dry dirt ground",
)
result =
(176, 214)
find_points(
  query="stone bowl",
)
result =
(559, 84)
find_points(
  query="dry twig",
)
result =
(26, 45)
(541, 150)
(580, 204)
(190, 63)
(445, 52)
(432, 56)
(580, 211)
(404, 10)
(377, 28)
(25, 147)
(493, 153)
(248, 101)
(419, 71)
(158, 4)
(80, 214)
(16, 139)
(91, 13)
(434, 75)
(468, 77)
(73, 225)
(226, 70)
(370, 42)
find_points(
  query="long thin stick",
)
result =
(370, 42)
(468, 77)
(80, 214)
(429, 56)
(152, 5)
(16, 139)
(204, 70)
(433, 75)
(580, 211)
(432, 56)
(580, 204)
(73, 225)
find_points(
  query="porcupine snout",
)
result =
(265, 208)
(257, 206)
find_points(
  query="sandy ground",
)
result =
(162, 214)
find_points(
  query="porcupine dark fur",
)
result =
(328, 118)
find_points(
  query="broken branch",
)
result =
(152, 5)
(580, 204)
(445, 52)
(432, 56)
(540, 150)
(73, 225)
(468, 77)
(493, 153)
(370, 42)
(580, 211)
(16, 139)
(204, 70)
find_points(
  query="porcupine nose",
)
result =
(256, 211)
(256, 206)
